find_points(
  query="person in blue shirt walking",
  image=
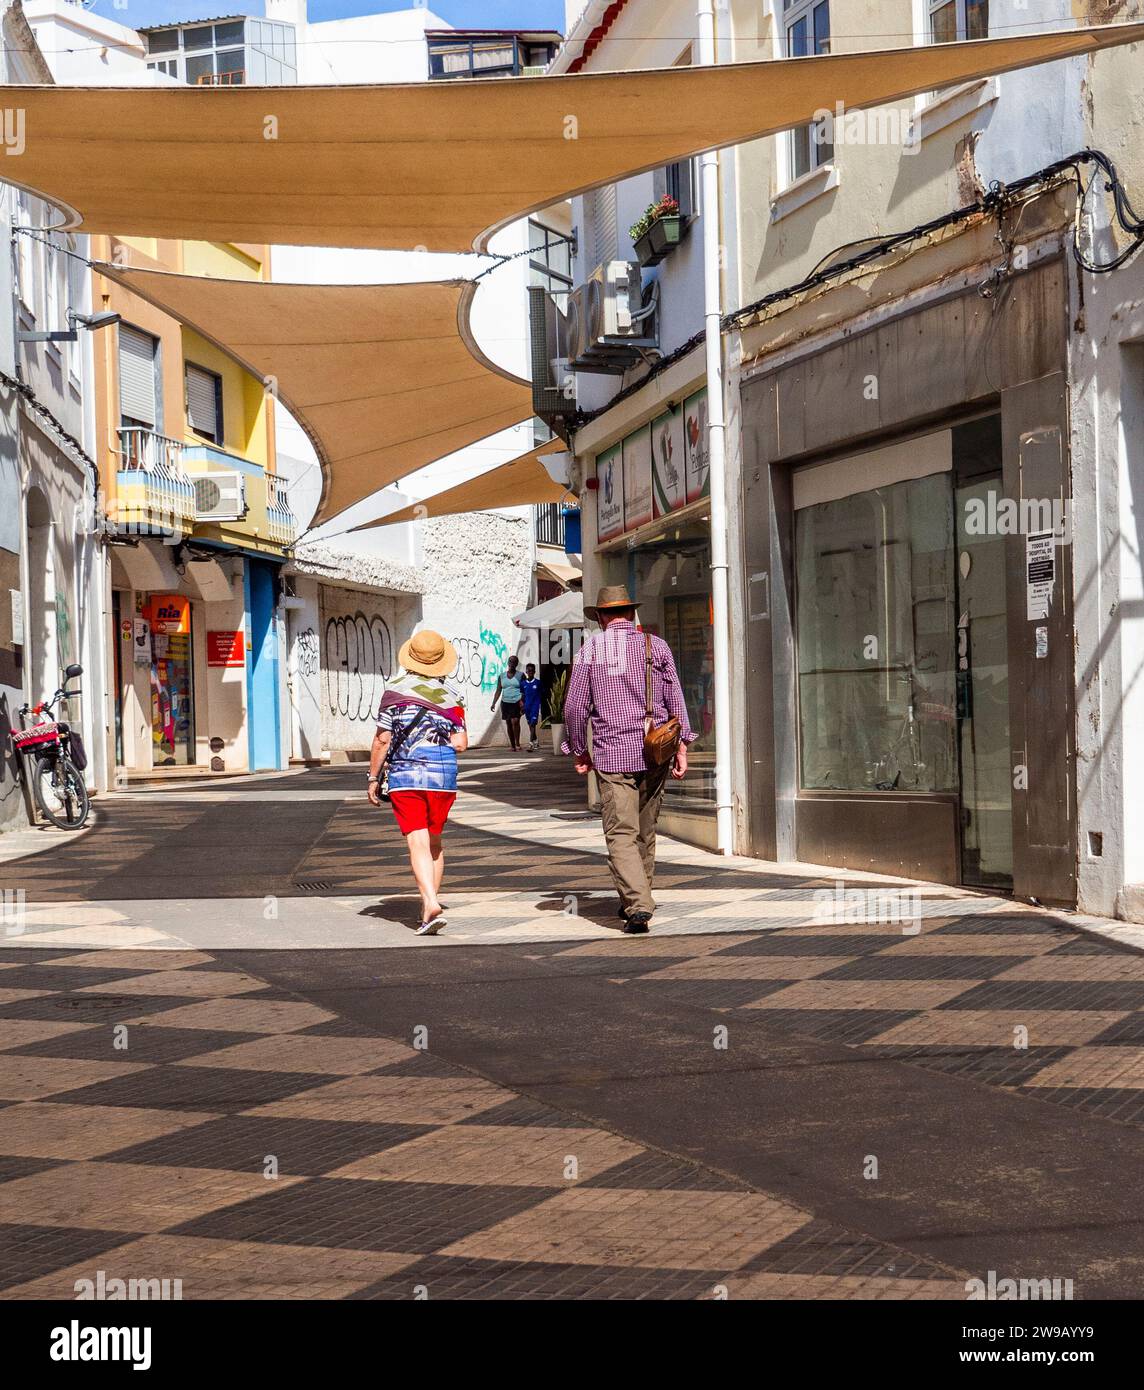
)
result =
(509, 696)
(530, 697)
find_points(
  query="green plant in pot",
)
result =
(557, 693)
(658, 231)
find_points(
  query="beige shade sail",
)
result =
(440, 164)
(520, 482)
(383, 378)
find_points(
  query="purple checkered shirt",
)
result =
(608, 688)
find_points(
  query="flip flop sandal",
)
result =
(433, 926)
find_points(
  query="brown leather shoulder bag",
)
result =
(661, 742)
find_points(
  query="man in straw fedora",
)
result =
(625, 687)
(413, 762)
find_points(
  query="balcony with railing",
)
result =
(281, 523)
(154, 494)
(549, 522)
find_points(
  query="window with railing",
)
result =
(549, 259)
(549, 518)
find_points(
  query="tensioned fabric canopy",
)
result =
(521, 481)
(383, 378)
(440, 164)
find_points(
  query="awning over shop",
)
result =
(522, 481)
(383, 378)
(562, 574)
(563, 611)
(441, 164)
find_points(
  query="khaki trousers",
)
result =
(631, 803)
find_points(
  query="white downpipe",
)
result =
(717, 446)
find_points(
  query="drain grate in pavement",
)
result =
(314, 885)
(573, 815)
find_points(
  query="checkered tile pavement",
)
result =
(165, 1116)
(168, 1114)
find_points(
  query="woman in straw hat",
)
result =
(420, 731)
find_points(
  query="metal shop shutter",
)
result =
(137, 397)
(202, 401)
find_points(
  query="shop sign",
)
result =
(171, 614)
(667, 463)
(697, 445)
(610, 493)
(637, 479)
(655, 471)
(226, 648)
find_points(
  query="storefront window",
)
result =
(172, 722)
(673, 590)
(876, 639)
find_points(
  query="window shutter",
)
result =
(605, 231)
(137, 375)
(202, 401)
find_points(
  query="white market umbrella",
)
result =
(565, 610)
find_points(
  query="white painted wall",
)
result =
(84, 48)
(479, 573)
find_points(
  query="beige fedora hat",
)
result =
(610, 596)
(427, 653)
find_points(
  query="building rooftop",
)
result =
(530, 35)
(183, 23)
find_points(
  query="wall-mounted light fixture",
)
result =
(70, 334)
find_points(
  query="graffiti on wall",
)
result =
(480, 662)
(359, 660)
(307, 649)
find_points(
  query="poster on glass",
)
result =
(637, 479)
(669, 488)
(610, 493)
(698, 446)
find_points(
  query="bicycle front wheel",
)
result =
(60, 792)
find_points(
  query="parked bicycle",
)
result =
(53, 759)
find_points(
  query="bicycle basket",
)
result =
(37, 734)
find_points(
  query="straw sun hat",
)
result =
(427, 653)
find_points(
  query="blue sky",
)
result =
(470, 14)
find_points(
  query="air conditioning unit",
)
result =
(609, 322)
(220, 496)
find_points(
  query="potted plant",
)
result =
(556, 693)
(658, 232)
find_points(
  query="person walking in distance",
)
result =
(509, 694)
(413, 762)
(530, 699)
(625, 687)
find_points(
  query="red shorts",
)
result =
(418, 810)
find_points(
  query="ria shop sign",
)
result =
(171, 615)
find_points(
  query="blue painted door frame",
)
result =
(263, 713)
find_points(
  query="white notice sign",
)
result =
(1040, 575)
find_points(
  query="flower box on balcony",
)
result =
(660, 239)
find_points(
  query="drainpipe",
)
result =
(717, 449)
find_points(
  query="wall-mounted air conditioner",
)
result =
(220, 496)
(609, 322)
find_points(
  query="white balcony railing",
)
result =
(154, 491)
(282, 524)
